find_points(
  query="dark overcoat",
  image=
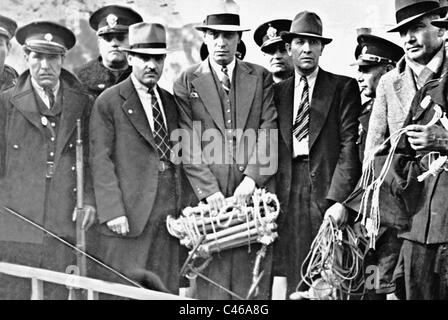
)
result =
(23, 146)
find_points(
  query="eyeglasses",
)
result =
(110, 36)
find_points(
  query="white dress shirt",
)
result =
(41, 92)
(300, 148)
(146, 100)
(217, 68)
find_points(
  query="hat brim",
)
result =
(406, 22)
(268, 44)
(222, 27)
(288, 36)
(146, 50)
(361, 62)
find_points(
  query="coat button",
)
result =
(70, 145)
(53, 124)
(15, 146)
(130, 111)
(313, 174)
(74, 189)
(73, 168)
(52, 139)
(241, 168)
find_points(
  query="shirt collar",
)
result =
(218, 67)
(41, 90)
(311, 78)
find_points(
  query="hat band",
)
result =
(416, 9)
(223, 19)
(374, 58)
(117, 28)
(45, 46)
(155, 45)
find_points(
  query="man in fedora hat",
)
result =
(225, 96)
(38, 158)
(318, 155)
(424, 60)
(267, 37)
(135, 181)
(8, 75)
(111, 24)
(423, 260)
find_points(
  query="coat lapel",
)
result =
(404, 86)
(71, 111)
(285, 110)
(24, 100)
(245, 90)
(133, 109)
(206, 89)
(320, 105)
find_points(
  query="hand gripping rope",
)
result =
(207, 232)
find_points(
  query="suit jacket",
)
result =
(333, 154)
(198, 102)
(124, 156)
(23, 149)
(394, 95)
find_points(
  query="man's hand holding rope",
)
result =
(339, 214)
(430, 138)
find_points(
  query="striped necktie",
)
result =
(300, 126)
(225, 81)
(50, 94)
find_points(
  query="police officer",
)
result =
(267, 37)
(8, 75)
(111, 24)
(375, 57)
(37, 147)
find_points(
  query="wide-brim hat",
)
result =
(8, 27)
(241, 48)
(374, 50)
(46, 37)
(267, 35)
(222, 22)
(305, 24)
(407, 11)
(113, 19)
(147, 38)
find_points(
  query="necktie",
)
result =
(225, 81)
(425, 75)
(300, 126)
(160, 132)
(50, 94)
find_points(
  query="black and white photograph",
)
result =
(244, 151)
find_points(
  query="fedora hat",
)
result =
(267, 35)
(407, 11)
(147, 38)
(225, 17)
(305, 24)
(46, 37)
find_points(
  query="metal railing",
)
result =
(93, 286)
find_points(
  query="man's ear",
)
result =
(129, 58)
(441, 32)
(9, 46)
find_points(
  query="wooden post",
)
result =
(37, 289)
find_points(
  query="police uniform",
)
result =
(94, 75)
(38, 157)
(8, 77)
(373, 51)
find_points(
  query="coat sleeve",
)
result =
(378, 128)
(263, 162)
(89, 196)
(108, 195)
(201, 178)
(348, 168)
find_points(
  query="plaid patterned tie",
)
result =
(160, 131)
(300, 126)
(50, 94)
(225, 81)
